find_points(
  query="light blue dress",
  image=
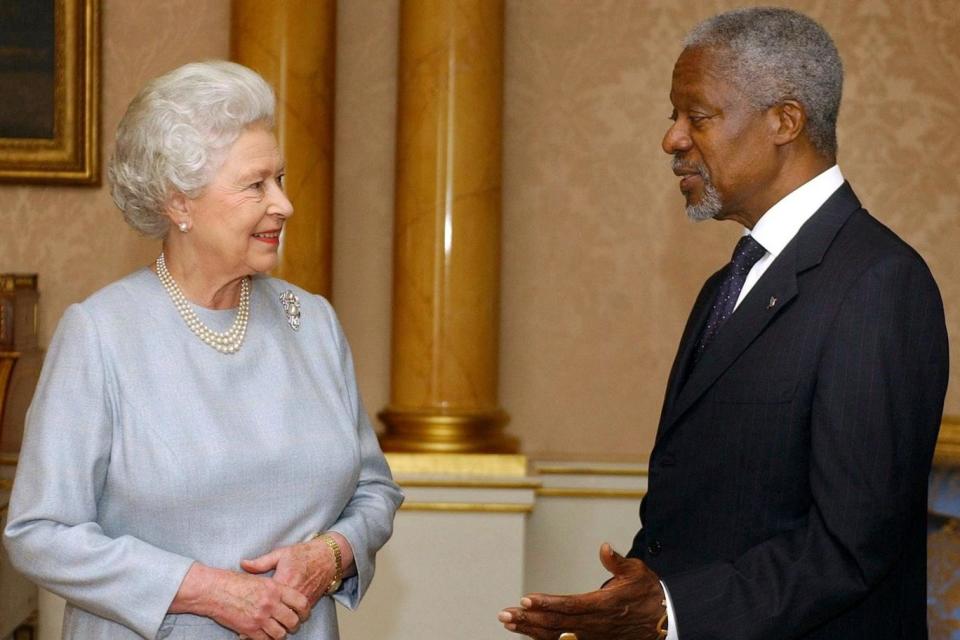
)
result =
(147, 450)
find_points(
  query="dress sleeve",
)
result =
(53, 535)
(367, 520)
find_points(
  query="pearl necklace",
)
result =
(228, 341)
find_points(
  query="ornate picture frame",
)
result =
(49, 133)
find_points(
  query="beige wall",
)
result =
(73, 236)
(365, 139)
(600, 265)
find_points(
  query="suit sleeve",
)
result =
(873, 426)
(367, 520)
(52, 535)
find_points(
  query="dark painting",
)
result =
(27, 68)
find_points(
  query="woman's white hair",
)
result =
(175, 134)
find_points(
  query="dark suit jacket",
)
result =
(787, 488)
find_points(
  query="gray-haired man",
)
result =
(787, 486)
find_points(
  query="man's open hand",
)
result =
(628, 606)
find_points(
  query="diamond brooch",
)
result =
(291, 307)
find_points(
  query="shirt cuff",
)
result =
(671, 619)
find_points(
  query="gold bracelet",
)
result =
(337, 559)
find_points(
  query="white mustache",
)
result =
(679, 164)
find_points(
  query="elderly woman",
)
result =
(197, 462)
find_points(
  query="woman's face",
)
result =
(236, 221)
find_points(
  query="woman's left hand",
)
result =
(308, 567)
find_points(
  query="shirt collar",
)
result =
(777, 227)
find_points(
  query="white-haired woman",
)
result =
(197, 462)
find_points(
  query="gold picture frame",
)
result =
(68, 152)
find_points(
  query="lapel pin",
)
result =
(772, 303)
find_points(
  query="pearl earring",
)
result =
(183, 227)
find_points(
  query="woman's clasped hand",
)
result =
(257, 607)
(262, 607)
(308, 567)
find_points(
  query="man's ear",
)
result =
(789, 119)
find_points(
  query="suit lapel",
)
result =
(691, 333)
(771, 295)
(779, 286)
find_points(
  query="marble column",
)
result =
(293, 45)
(446, 267)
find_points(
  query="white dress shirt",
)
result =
(774, 231)
(777, 227)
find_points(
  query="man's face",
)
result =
(721, 144)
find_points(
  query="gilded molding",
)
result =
(9, 459)
(947, 453)
(468, 507)
(572, 470)
(458, 464)
(570, 492)
(466, 483)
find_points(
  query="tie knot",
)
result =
(746, 253)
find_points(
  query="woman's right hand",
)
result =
(255, 607)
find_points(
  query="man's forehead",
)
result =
(699, 74)
(698, 62)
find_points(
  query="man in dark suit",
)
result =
(787, 485)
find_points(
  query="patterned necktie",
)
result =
(745, 255)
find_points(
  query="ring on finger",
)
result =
(566, 635)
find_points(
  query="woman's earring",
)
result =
(184, 227)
